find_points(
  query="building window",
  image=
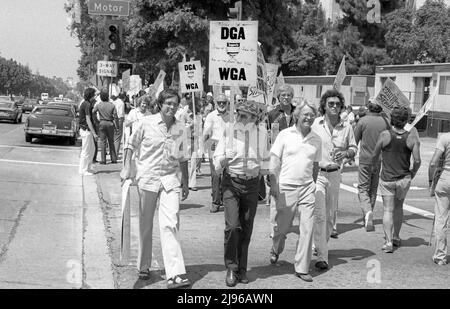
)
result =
(318, 91)
(444, 85)
(383, 79)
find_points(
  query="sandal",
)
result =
(177, 282)
(144, 274)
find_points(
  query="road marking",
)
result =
(38, 163)
(45, 148)
(409, 208)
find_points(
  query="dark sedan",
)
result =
(52, 121)
(9, 110)
(28, 105)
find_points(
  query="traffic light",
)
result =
(113, 38)
(235, 13)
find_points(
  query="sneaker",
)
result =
(177, 282)
(440, 262)
(396, 242)
(214, 208)
(388, 247)
(304, 277)
(369, 222)
(273, 258)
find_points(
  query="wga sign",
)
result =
(374, 14)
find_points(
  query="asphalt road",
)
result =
(43, 212)
(61, 230)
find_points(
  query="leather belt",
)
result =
(329, 170)
(243, 177)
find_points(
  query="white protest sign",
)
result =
(107, 68)
(191, 76)
(258, 92)
(425, 108)
(135, 84)
(391, 96)
(272, 70)
(233, 53)
(158, 85)
(340, 76)
(126, 80)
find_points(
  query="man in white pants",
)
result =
(338, 143)
(294, 165)
(161, 160)
(87, 133)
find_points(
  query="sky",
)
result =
(34, 32)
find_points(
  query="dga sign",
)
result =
(107, 68)
(107, 7)
(190, 76)
(233, 47)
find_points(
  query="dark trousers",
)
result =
(118, 136)
(240, 199)
(215, 185)
(106, 131)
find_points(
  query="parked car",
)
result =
(66, 103)
(52, 121)
(9, 110)
(28, 105)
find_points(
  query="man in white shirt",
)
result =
(162, 174)
(338, 143)
(119, 104)
(212, 132)
(294, 166)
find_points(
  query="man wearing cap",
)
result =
(367, 131)
(213, 131)
(242, 156)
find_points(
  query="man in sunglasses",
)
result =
(242, 156)
(338, 143)
(212, 132)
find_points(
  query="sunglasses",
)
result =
(222, 102)
(333, 104)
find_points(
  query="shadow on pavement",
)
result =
(347, 227)
(357, 254)
(189, 206)
(267, 271)
(155, 276)
(414, 242)
(197, 272)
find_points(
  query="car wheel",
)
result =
(28, 138)
(72, 140)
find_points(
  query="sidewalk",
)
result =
(201, 236)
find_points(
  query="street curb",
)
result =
(97, 263)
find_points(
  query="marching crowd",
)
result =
(295, 152)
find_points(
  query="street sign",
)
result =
(107, 7)
(233, 47)
(107, 68)
(191, 76)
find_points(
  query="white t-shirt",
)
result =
(297, 154)
(215, 125)
(119, 104)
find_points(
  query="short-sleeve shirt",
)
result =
(159, 152)
(443, 144)
(342, 138)
(215, 124)
(297, 154)
(85, 110)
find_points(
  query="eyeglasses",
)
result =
(222, 102)
(245, 116)
(333, 104)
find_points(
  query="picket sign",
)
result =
(425, 108)
(391, 96)
(340, 75)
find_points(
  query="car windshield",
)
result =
(53, 112)
(6, 105)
